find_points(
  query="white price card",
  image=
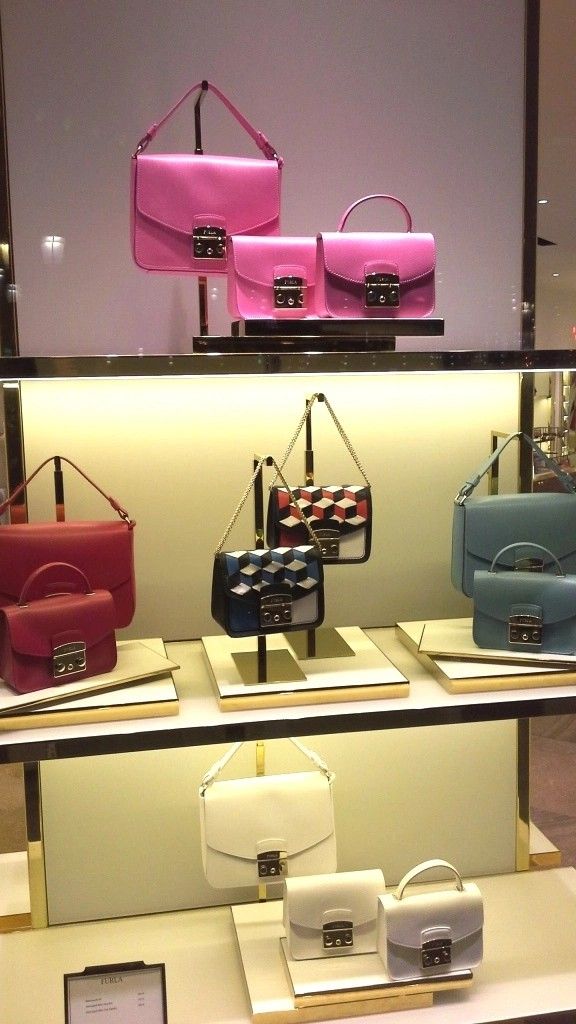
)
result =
(133, 993)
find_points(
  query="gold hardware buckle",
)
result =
(329, 542)
(68, 659)
(382, 290)
(209, 243)
(289, 292)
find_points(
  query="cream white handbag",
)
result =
(263, 828)
(332, 915)
(431, 932)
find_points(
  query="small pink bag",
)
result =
(271, 278)
(185, 206)
(375, 274)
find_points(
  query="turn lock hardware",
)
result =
(209, 243)
(382, 290)
(275, 610)
(436, 952)
(67, 659)
(272, 864)
(338, 935)
(525, 629)
(289, 292)
(329, 542)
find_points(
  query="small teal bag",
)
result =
(524, 611)
(483, 527)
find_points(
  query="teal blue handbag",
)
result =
(484, 526)
(528, 612)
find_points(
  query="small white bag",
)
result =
(332, 915)
(432, 932)
(263, 828)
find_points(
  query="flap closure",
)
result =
(493, 522)
(173, 189)
(343, 508)
(293, 810)
(36, 629)
(501, 595)
(249, 575)
(408, 919)
(312, 902)
(259, 261)
(102, 550)
(348, 254)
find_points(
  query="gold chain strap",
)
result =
(339, 428)
(244, 498)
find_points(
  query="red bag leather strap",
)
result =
(54, 578)
(365, 199)
(21, 487)
(259, 137)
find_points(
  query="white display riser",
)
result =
(529, 965)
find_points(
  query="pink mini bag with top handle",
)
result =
(185, 206)
(272, 278)
(375, 273)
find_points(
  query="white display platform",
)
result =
(367, 675)
(529, 963)
(282, 990)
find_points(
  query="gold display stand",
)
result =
(368, 675)
(281, 991)
(467, 672)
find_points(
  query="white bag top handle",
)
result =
(213, 772)
(427, 865)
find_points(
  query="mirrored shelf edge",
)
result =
(284, 362)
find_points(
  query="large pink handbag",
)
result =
(59, 632)
(375, 274)
(271, 278)
(102, 549)
(185, 206)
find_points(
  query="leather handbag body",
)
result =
(184, 207)
(375, 274)
(267, 590)
(433, 932)
(332, 915)
(60, 631)
(340, 514)
(483, 526)
(268, 827)
(532, 612)
(272, 277)
(102, 550)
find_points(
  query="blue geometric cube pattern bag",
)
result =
(267, 590)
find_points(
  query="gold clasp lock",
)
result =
(272, 864)
(382, 290)
(436, 952)
(68, 659)
(525, 629)
(289, 292)
(338, 935)
(275, 610)
(208, 243)
(329, 542)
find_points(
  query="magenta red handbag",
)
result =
(60, 631)
(271, 277)
(185, 206)
(375, 273)
(102, 550)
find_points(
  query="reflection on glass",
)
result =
(52, 249)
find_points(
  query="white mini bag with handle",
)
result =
(433, 931)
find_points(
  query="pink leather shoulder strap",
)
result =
(365, 199)
(258, 136)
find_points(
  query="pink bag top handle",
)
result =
(21, 487)
(365, 199)
(259, 137)
(53, 579)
